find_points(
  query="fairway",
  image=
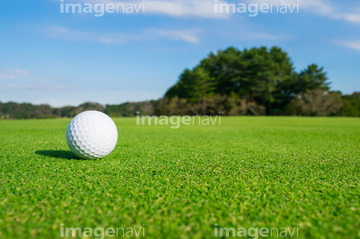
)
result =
(249, 172)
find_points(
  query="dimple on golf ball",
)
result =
(91, 135)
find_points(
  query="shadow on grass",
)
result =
(60, 154)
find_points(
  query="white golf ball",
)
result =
(91, 135)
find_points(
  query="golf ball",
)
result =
(91, 135)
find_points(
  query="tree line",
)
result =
(12, 110)
(257, 81)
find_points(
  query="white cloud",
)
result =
(350, 44)
(175, 8)
(316, 6)
(184, 8)
(186, 35)
(354, 18)
(323, 8)
(190, 36)
(13, 74)
(68, 34)
(205, 8)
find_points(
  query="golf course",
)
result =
(296, 173)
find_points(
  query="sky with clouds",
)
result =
(69, 58)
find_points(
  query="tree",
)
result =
(193, 85)
(311, 78)
(254, 74)
(351, 105)
(317, 103)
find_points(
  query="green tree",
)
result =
(254, 74)
(311, 78)
(351, 105)
(193, 85)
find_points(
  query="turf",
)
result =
(185, 183)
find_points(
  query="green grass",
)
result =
(248, 172)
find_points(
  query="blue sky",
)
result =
(67, 59)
